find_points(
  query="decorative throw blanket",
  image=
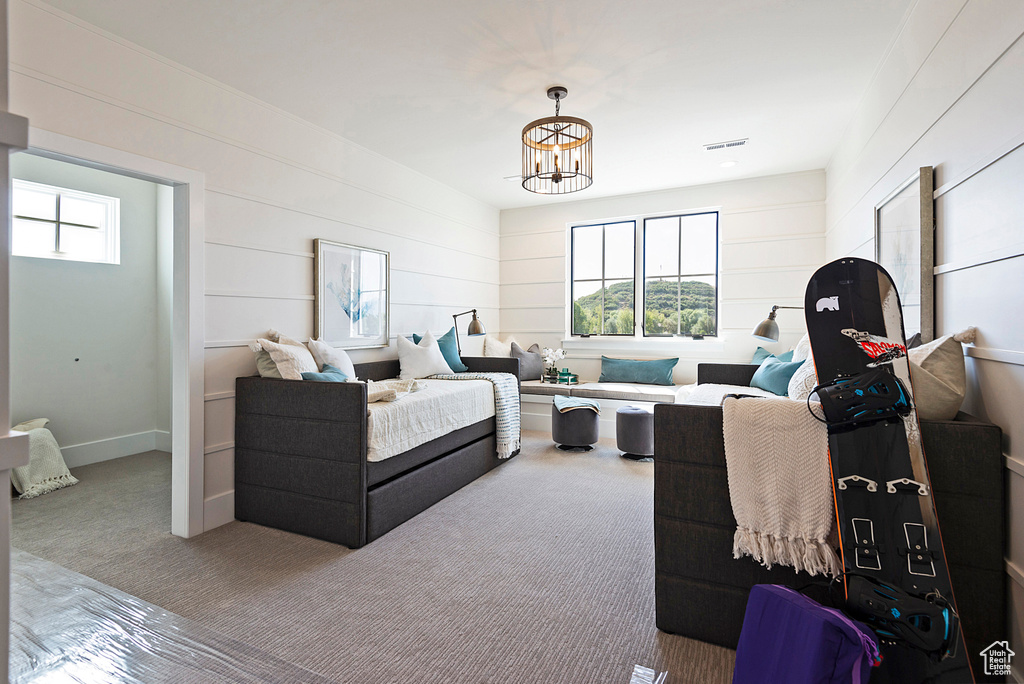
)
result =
(506, 407)
(564, 404)
(46, 470)
(779, 483)
(391, 390)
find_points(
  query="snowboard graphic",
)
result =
(895, 577)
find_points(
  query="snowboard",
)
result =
(895, 574)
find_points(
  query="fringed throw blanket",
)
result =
(391, 390)
(779, 483)
(46, 470)
(506, 407)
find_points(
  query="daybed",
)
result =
(301, 457)
(701, 590)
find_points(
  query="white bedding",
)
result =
(712, 395)
(444, 406)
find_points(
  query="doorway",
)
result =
(180, 193)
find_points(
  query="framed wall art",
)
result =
(351, 295)
(904, 246)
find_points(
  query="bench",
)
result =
(536, 399)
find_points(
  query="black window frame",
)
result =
(602, 279)
(680, 276)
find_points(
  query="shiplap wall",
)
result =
(949, 95)
(772, 239)
(273, 184)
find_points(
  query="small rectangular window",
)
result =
(58, 223)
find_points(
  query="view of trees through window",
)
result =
(679, 279)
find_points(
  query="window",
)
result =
(674, 283)
(603, 278)
(58, 223)
(681, 275)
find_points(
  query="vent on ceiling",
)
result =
(725, 145)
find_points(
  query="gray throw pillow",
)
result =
(531, 365)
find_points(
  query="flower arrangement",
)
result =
(551, 357)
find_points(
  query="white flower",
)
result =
(552, 356)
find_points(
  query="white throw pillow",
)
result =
(939, 375)
(420, 360)
(495, 347)
(33, 424)
(264, 364)
(290, 360)
(802, 350)
(803, 381)
(325, 353)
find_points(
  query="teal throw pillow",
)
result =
(761, 354)
(328, 374)
(449, 350)
(656, 372)
(774, 374)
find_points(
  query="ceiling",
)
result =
(446, 86)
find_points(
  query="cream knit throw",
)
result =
(46, 470)
(779, 483)
(391, 390)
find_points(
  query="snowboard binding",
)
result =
(929, 624)
(863, 399)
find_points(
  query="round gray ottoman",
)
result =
(574, 430)
(634, 431)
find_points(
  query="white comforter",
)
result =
(444, 406)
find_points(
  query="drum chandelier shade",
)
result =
(557, 153)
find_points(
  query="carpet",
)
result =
(540, 571)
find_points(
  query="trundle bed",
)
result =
(301, 457)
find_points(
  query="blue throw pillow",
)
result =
(656, 372)
(449, 350)
(761, 354)
(774, 374)
(328, 374)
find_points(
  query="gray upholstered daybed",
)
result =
(301, 457)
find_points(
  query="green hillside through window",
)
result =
(670, 307)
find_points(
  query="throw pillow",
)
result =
(773, 375)
(290, 360)
(264, 364)
(495, 347)
(449, 350)
(939, 375)
(326, 355)
(655, 372)
(761, 354)
(420, 360)
(33, 424)
(531, 364)
(802, 350)
(328, 374)
(803, 382)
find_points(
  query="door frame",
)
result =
(187, 316)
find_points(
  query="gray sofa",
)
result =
(701, 590)
(300, 458)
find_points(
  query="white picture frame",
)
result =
(904, 246)
(352, 295)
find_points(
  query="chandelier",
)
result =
(557, 156)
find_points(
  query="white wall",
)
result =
(273, 184)
(84, 350)
(949, 95)
(771, 231)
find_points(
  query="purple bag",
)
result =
(791, 639)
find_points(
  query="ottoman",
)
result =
(577, 429)
(634, 432)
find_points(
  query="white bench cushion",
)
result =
(626, 391)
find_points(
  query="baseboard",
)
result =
(162, 440)
(218, 510)
(116, 447)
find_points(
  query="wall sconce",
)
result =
(476, 327)
(768, 330)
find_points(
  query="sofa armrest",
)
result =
(492, 364)
(725, 373)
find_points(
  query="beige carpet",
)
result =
(540, 571)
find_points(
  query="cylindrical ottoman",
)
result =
(634, 431)
(576, 429)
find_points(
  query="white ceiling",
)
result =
(446, 86)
